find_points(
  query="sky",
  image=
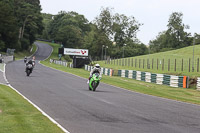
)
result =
(153, 14)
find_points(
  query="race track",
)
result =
(65, 97)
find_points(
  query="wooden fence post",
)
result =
(163, 65)
(189, 64)
(157, 64)
(198, 65)
(143, 63)
(152, 63)
(139, 63)
(182, 65)
(132, 62)
(135, 63)
(168, 64)
(128, 62)
(175, 65)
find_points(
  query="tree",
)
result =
(8, 26)
(118, 27)
(69, 36)
(69, 28)
(174, 37)
(176, 31)
(94, 40)
(29, 20)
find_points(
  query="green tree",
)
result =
(28, 14)
(174, 37)
(8, 26)
(69, 28)
(119, 28)
(94, 40)
(70, 36)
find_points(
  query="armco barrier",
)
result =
(161, 79)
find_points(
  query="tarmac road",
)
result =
(66, 99)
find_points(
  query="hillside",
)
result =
(177, 62)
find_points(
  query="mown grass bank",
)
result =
(19, 116)
(175, 62)
(180, 94)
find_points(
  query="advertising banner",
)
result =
(79, 52)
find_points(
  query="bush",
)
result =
(67, 58)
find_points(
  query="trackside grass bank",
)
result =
(174, 62)
(19, 116)
(180, 94)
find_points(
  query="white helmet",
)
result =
(97, 66)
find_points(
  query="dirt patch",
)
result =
(0, 111)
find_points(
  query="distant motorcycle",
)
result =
(94, 81)
(25, 60)
(29, 69)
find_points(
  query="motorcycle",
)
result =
(94, 81)
(25, 60)
(29, 69)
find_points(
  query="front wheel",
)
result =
(28, 72)
(94, 85)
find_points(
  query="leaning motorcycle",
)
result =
(94, 81)
(29, 69)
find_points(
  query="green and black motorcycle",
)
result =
(94, 81)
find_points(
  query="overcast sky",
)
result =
(154, 14)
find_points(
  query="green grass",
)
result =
(21, 55)
(2, 66)
(180, 94)
(179, 54)
(19, 116)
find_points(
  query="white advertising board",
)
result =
(80, 52)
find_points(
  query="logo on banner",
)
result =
(83, 52)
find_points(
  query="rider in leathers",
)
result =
(96, 69)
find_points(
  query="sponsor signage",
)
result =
(80, 52)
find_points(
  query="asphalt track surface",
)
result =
(65, 97)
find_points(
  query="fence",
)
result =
(6, 59)
(63, 63)
(162, 79)
(179, 64)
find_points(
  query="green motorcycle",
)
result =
(94, 81)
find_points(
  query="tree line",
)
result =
(107, 31)
(20, 22)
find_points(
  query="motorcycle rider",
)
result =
(33, 61)
(96, 69)
(25, 59)
(29, 62)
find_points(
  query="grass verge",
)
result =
(19, 116)
(180, 94)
